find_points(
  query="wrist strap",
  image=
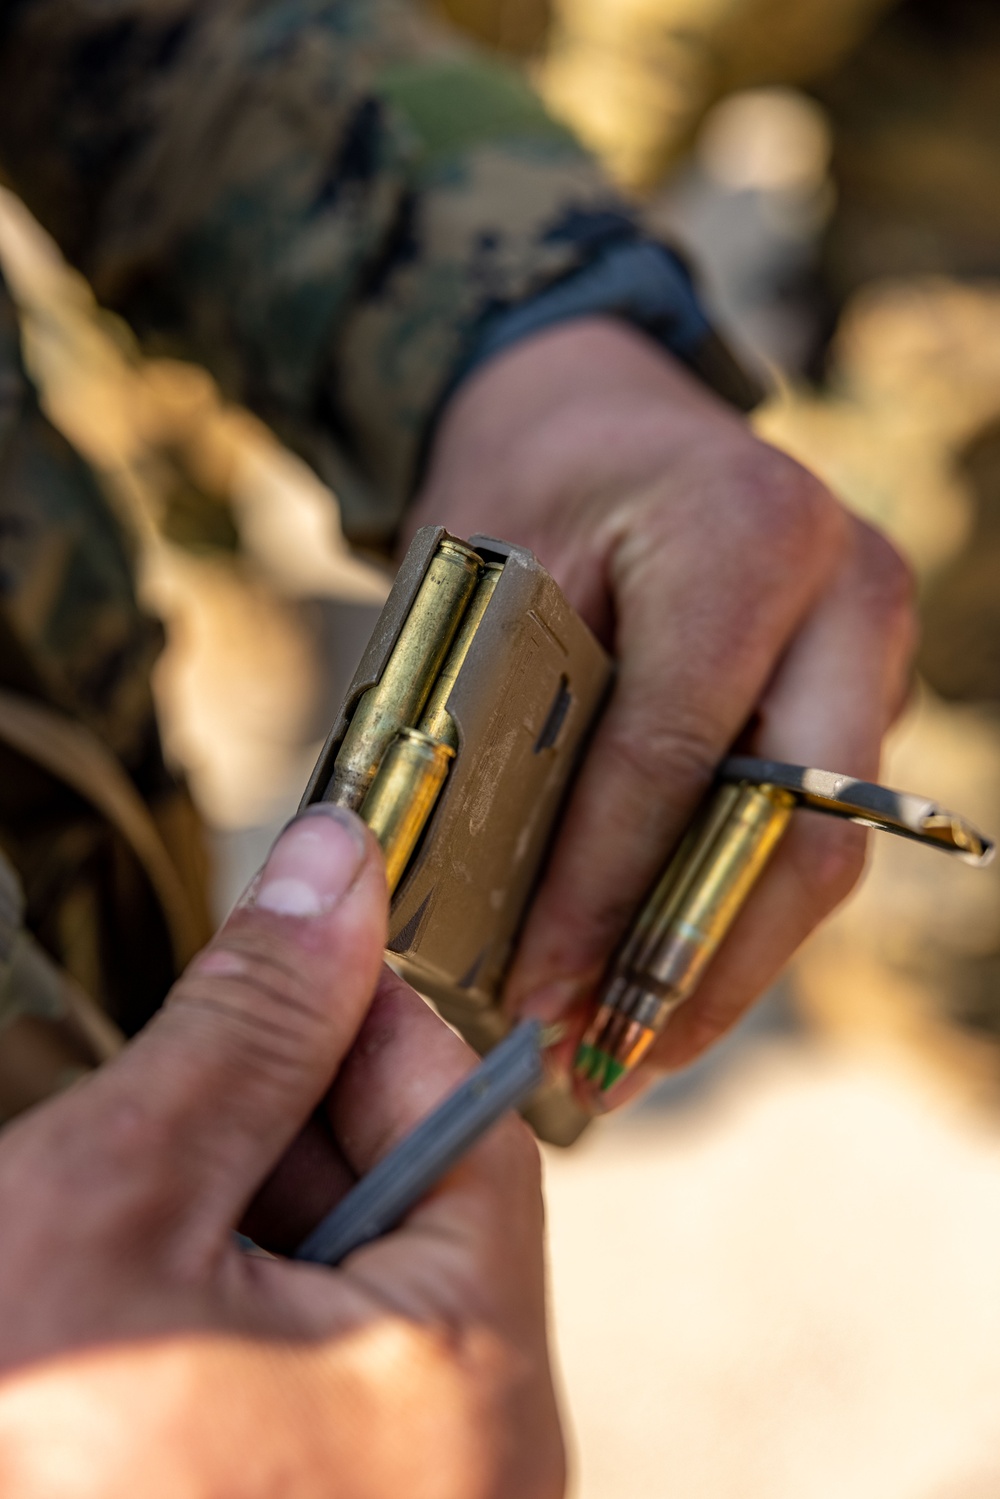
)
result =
(647, 285)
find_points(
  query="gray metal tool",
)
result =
(509, 1075)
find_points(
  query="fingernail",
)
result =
(313, 864)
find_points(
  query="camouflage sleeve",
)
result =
(319, 199)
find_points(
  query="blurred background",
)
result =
(780, 1275)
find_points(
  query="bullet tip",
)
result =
(597, 1066)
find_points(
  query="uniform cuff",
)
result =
(647, 285)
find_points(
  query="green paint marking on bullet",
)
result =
(598, 1066)
(585, 1060)
(611, 1072)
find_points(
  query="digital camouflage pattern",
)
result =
(75, 645)
(318, 200)
(70, 630)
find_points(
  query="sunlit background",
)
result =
(779, 1277)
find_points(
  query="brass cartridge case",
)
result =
(724, 867)
(397, 699)
(695, 849)
(402, 796)
(437, 722)
(682, 924)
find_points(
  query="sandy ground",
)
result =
(786, 1287)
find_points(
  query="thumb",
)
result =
(249, 1039)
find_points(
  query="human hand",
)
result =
(742, 603)
(141, 1352)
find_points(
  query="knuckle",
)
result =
(792, 513)
(658, 745)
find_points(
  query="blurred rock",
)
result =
(917, 146)
(908, 964)
(914, 375)
(960, 654)
(635, 77)
(907, 433)
(749, 206)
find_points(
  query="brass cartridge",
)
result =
(402, 796)
(726, 864)
(681, 926)
(397, 699)
(691, 855)
(437, 722)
